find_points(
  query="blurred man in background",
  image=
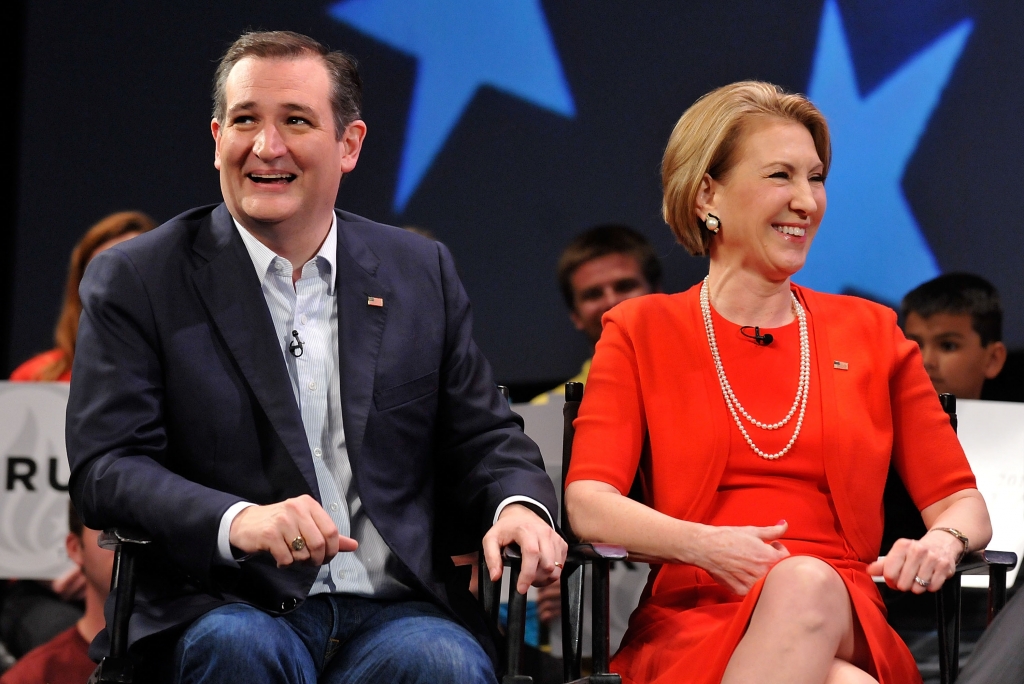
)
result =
(601, 267)
(65, 658)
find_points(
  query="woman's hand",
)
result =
(737, 557)
(932, 559)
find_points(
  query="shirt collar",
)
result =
(263, 257)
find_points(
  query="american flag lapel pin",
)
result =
(840, 365)
(375, 301)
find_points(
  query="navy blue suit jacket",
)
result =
(181, 405)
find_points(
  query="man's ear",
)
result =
(705, 202)
(576, 320)
(215, 130)
(73, 545)
(996, 359)
(351, 143)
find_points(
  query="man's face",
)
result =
(953, 354)
(600, 284)
(279, 159)
(96, 563)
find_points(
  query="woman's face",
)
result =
(771, 203)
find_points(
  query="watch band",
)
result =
(959, 535)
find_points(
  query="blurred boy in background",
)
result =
(957, 321)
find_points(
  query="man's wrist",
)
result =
(225, 552)
(525, 501)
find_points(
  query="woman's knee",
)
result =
(843, 672)
(811, 592)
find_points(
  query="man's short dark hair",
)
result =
(346, 86)
(75, 525)
(959, 293)
(601, 241)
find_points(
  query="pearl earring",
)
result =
(712, 223)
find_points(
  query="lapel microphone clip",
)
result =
(759, 339)
(295, 348)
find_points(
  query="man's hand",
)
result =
(70, 586)
(541, 547)
(274, 527)
(549, 603)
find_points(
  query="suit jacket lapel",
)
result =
(360, 330)
(231, 291)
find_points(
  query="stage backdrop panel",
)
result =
(506, 127)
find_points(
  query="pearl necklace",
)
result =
(733, 403)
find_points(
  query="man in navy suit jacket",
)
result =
(288, 399)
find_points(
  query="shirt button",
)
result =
(341, 574)
(334, 507)
(317, 452)
(303, 319)
(311, 386)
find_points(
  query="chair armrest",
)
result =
(111, 537)
(980, 562)
(583, 552)
(608, 552)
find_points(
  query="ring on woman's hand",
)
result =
(298, 543)
(923, 583)
(557, 564)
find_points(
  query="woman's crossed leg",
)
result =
(803, 630)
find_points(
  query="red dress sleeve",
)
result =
(926, 451)
(611, 424)
(30, 370)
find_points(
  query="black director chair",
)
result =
(599, 556)
(127, 544)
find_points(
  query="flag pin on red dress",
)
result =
(374, 301)
(840, 365)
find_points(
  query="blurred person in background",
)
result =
(601, 267)
(65, 658)
(56, 363)
(32, 612)
(957, 321)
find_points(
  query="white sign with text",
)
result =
(33, 493)
(992, 435)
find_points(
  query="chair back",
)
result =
(571, 409)
(948, 402)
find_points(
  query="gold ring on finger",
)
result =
(924, 583)
(558, 565)
(298, 543)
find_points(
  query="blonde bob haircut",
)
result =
(705, 140)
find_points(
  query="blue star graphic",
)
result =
(461, 45)
(869, 240)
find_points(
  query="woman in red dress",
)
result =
(762, 417)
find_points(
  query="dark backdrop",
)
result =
(115, 114)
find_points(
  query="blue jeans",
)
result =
(331, 639)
